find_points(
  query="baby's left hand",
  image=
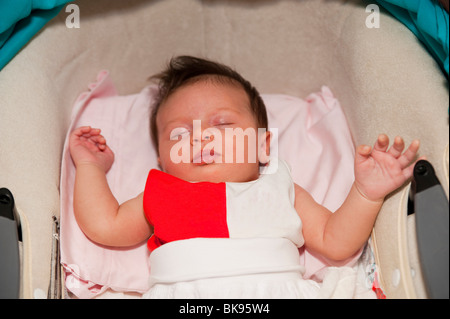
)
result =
(380, 170)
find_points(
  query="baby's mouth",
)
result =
(206, 156)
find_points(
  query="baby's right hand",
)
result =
(87, 146)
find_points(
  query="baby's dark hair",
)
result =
(183, 70)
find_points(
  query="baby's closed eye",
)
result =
(178, 132)
(224, 125)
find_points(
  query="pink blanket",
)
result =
(313, 138)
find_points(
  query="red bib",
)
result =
(182, 210)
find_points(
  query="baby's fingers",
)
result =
(362, 153)
(382, 143)
(409, 170)
(81, 130)
(98, 140)
(101, 142)
(397, 148)
(86, 131)
(410, 154)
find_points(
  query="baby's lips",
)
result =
(206, 156)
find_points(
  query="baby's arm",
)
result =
(378, 172)
(97, 212)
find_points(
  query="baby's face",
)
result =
(207, 132)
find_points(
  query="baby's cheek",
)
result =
(243, 151)
(175, 151)
(228, 152)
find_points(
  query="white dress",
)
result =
(255, 257)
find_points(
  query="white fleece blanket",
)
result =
(313, 138)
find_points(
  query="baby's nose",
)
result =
(206, 137)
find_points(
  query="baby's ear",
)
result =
(264, 139)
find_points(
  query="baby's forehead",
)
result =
(213, 82)
(215, 79)
(219, 96)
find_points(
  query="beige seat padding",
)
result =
(384, 79)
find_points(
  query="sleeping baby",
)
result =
(219, 190)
